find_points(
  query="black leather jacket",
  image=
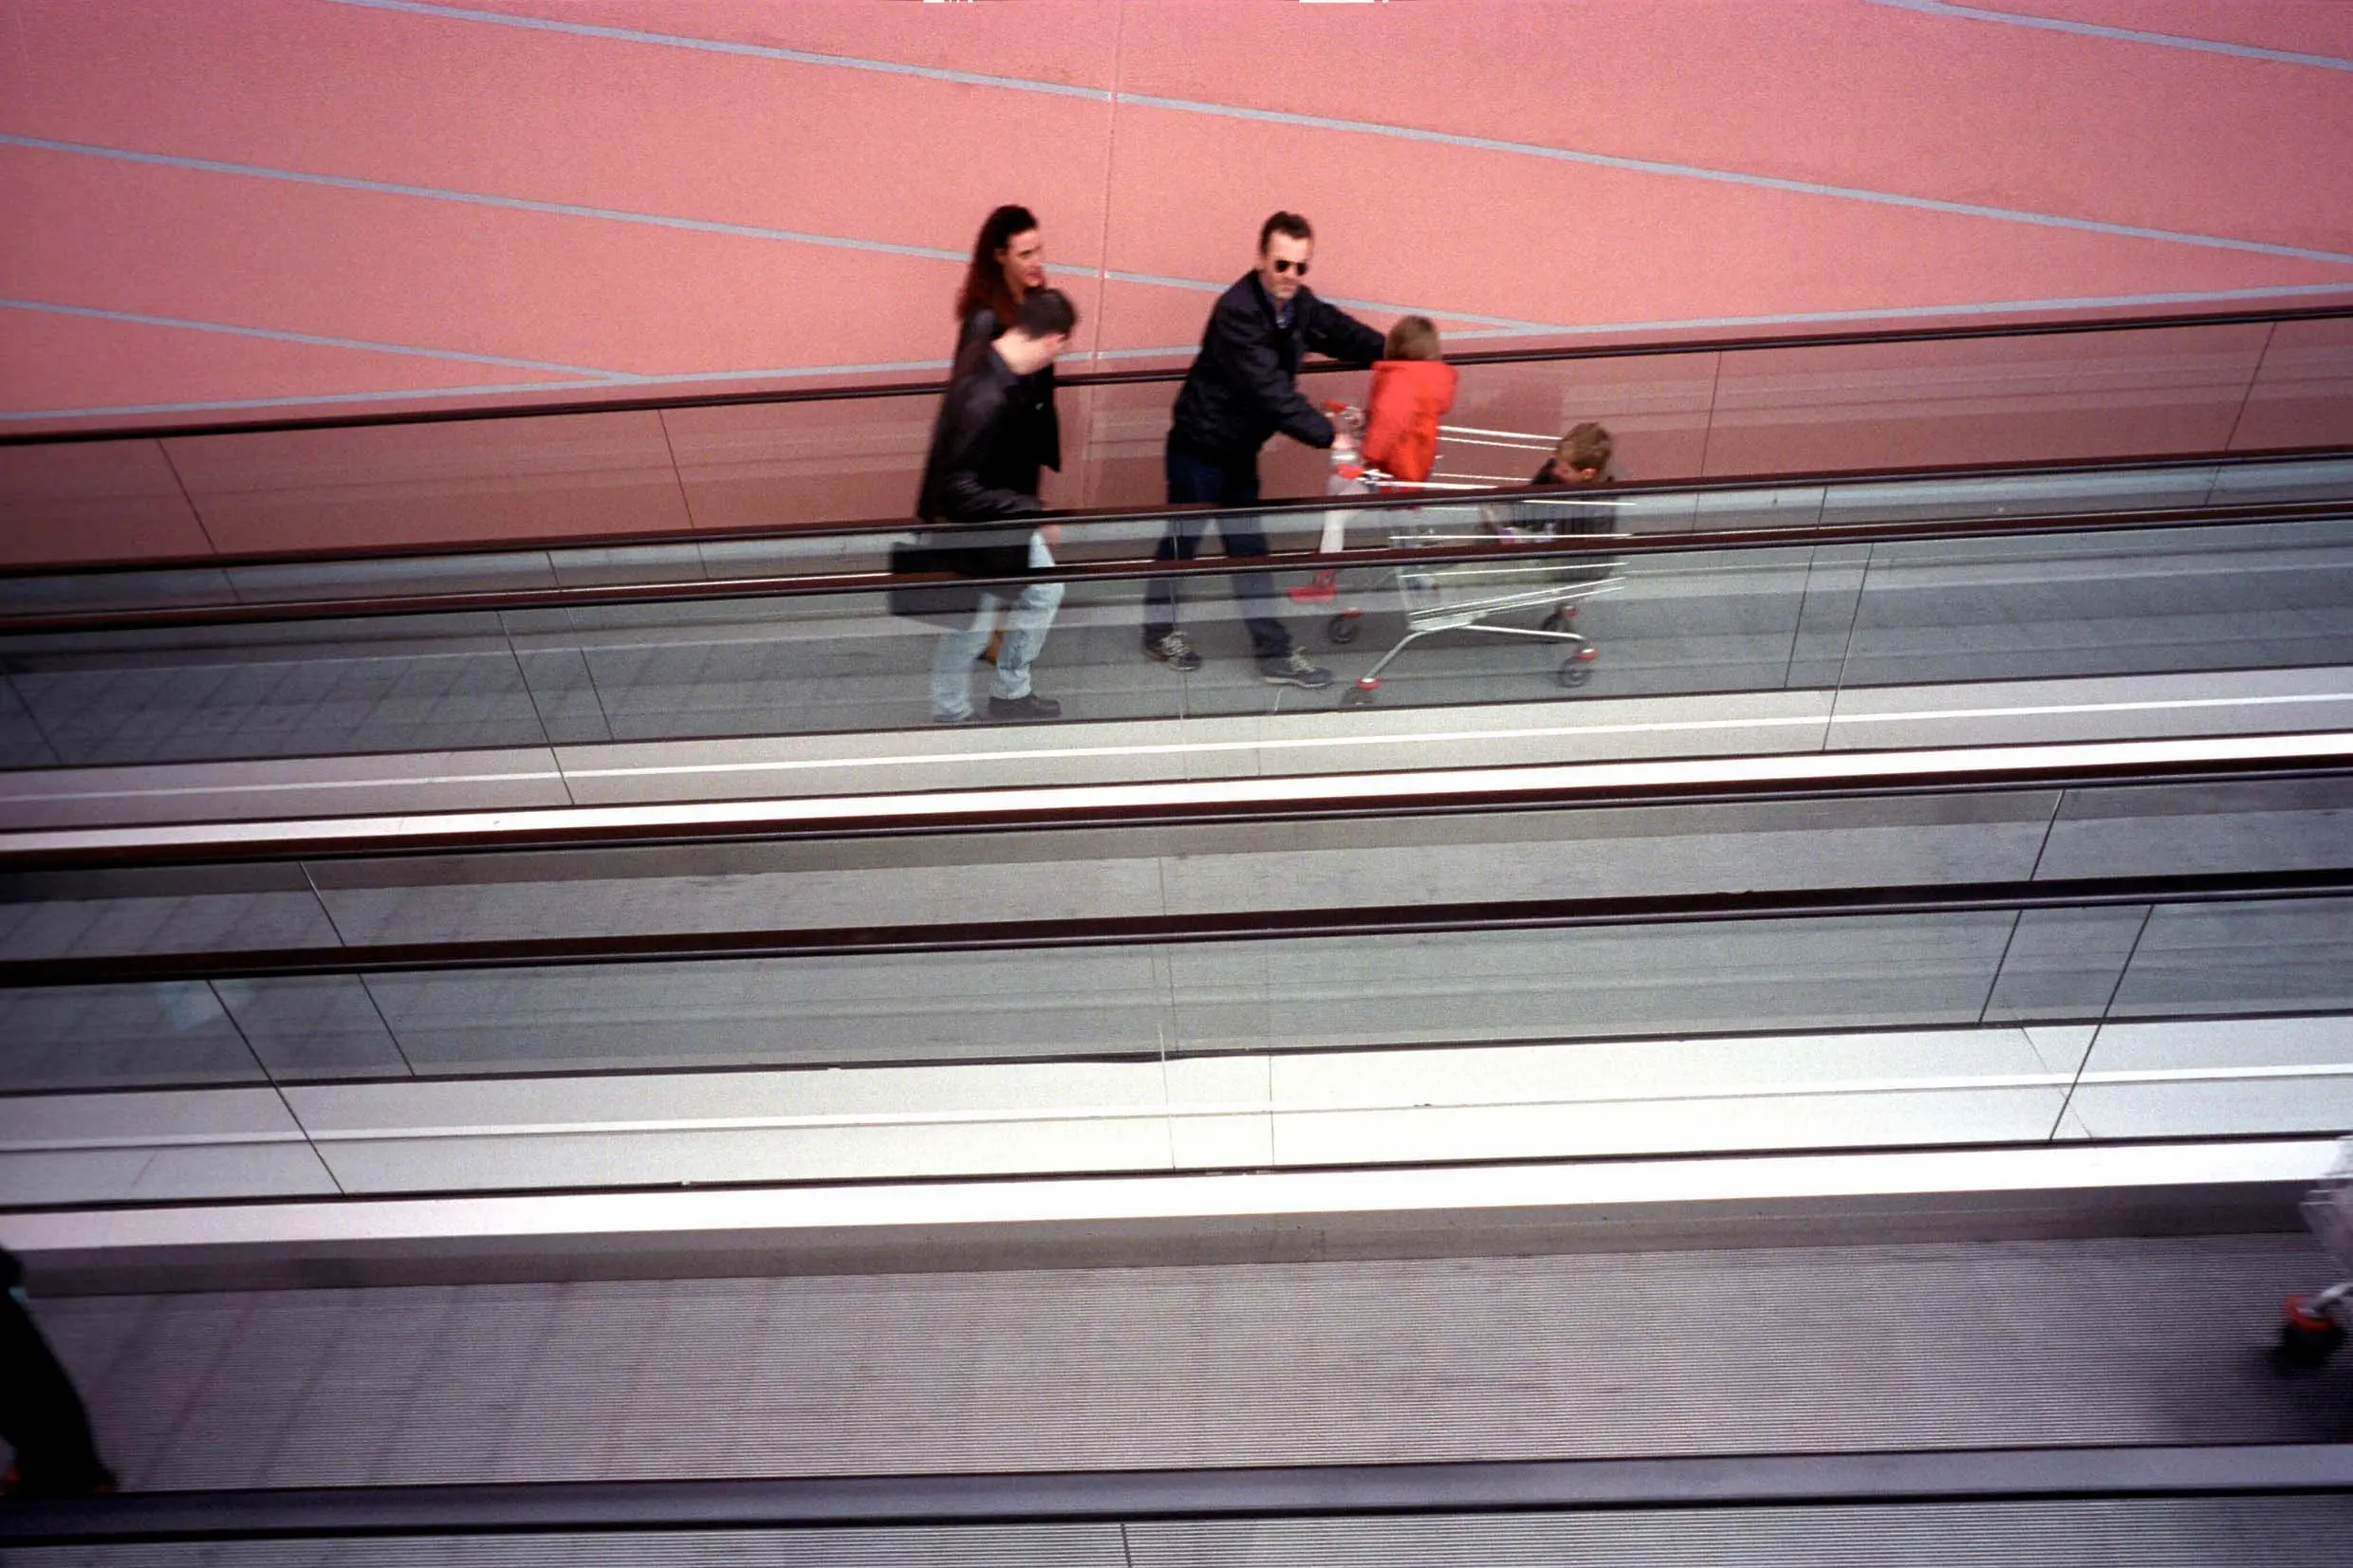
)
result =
(982, 326)
(988, 444)
(1242, 386)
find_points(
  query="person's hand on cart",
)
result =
(1347, 430)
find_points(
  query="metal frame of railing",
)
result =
(639, 1508)
(1074, 570)
(1284, 925)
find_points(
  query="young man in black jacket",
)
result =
(996, 430)
(1242, 389)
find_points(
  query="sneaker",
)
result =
(1174, 652)
(1292, 669)
(1031, 707)
(951, 718)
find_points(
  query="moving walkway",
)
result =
(1889, 1013)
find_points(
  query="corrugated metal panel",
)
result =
(974, 1546)
(2145, 1533)
(2192, 1532)
(1798, 1350)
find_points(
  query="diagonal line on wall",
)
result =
(721, 46)
(237, 405)
(1763, 182)
(664, 220)
(1362, 127)
(313, 339)
(475, 198)
(2126, 35)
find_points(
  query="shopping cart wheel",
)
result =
(1361, 695)
(1578, 668)
(2306, 1338)
(1342, 627)
(1558, 620)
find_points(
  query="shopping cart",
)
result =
(1474, 596)
(2313, 1326)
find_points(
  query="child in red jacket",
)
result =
(1413, 389)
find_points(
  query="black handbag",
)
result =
(951, 603)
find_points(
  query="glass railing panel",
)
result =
(785, 465)
(2320, 480)
(823, 663)
(1588, 983)
(1115, 447)
(2259, 1075)
(1658, 407)
(188, 908)
(485, 481)
(2303, 395)
(21, 744)
(629, 565)
(1724, 986)
(2063, 965)
(2283, 956)
(1984, 1531)
(1767, 409)
(1981, 401)
(293, 689)
(98, 500)
(80, 593)
(2036, 495)
(1680, 1407)
(1830, 1032)
(2031, 606)
(844, 1010)
(159, 1033)
(391, 577)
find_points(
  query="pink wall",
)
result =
(267, 207)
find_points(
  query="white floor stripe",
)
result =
(1814, 769)
(1274, 1196)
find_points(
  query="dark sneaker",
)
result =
(1174, 652)
(1031, 707)
(1292, 669)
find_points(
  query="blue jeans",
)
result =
(1234, 484)
(1026, 625)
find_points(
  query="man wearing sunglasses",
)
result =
(1243, 388)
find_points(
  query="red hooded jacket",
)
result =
(1401, 416)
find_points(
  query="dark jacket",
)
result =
(1242, 386)
(982, 326)
(990, 438)
(987, 450)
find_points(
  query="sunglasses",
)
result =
(1300, 267)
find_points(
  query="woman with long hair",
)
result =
(1008, 260)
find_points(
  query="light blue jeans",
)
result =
(1030, 615)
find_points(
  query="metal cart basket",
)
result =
(2315, 1325)
(1474, 595)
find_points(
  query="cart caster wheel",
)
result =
(1573, 674)
(2307, 1340)
(1558, 620)
(1341, 629)
(1361, 695)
